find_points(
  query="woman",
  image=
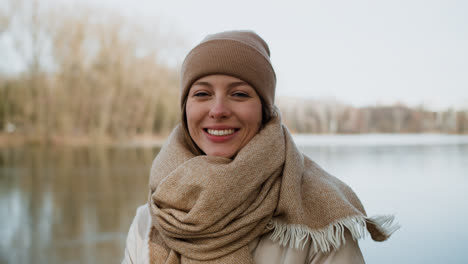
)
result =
(230, 186)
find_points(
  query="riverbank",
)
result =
(16, 140)
(155, 141)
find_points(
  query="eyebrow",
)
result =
(231, 85)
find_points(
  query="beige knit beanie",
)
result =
(242, 54)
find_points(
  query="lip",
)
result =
(220, 139)
(220, 127)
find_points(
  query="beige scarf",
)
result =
(207, 209)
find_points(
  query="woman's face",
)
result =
(223, 114)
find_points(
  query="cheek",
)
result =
(195, 113)
(253, 115)
(191, 116)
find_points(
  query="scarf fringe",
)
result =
(384, 223)
(332, 236)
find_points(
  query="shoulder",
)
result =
(136, 250)
(141, 223)
(143, 220)
(264, 250)
(348, 253)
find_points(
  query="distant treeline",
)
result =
(86, 73)
(329, 116)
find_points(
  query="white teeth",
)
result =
(224, 132)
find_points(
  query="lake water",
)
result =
(75, 205)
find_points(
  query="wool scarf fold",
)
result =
(207, 209)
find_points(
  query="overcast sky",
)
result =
(360, 52)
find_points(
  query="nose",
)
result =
(220, 109)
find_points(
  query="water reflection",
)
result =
(425, 185)
(75, 205)
(69, 205)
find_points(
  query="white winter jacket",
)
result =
(264, 250)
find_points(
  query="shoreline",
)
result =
(157, 141)
(18, 140)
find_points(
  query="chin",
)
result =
(224, 154)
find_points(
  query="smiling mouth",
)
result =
(221, 132)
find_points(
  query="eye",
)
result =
(201, 94)
(240, 94)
